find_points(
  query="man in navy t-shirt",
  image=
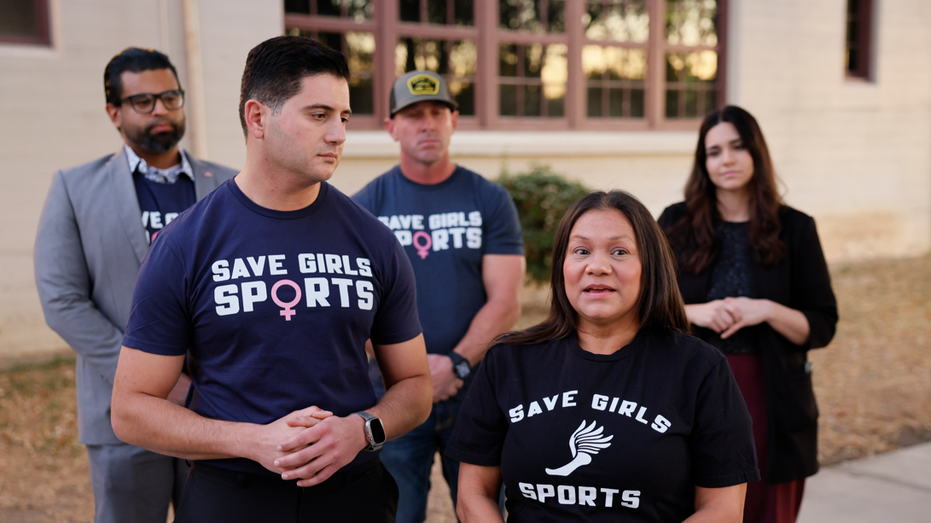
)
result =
(271, 286)
(463, 238)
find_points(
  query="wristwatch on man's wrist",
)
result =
(461, 367)
(374, 431)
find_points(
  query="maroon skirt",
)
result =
(765, 503)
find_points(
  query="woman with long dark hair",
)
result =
(606, 411)
(755, 284)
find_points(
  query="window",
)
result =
(690, 56)
(24, 22)
(533, 67)
(532, 64)
(614, 58)
(859, 37)
(347, 26)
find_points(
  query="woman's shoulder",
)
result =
(672, 214)
(790, 216)
(798, 229)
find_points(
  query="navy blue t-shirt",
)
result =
(445, 230)
(161, 203)
(274, 307)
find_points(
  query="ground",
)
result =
(873, 385)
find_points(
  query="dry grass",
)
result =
(873, 385)
(44, 475)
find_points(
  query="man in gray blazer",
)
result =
(95, 229)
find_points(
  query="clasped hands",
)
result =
(729, 315)
(309, 445)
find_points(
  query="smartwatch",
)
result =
(461, 367)
(374, 431)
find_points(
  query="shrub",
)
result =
(542, 198)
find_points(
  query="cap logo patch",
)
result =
(423, 84)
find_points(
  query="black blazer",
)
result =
(800, 281)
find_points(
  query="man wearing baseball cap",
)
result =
(462, 235)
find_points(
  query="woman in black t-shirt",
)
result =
(606, 411)
(755, 284)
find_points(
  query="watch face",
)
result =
(378, 431)
(462, 370)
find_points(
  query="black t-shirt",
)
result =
(620, 437)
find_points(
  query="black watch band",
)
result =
(374, 431)
(461, 367)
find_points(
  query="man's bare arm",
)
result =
(503, 279)
(408, 390)
(142, 416)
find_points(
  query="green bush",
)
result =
(541, 197)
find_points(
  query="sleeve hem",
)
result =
(728, 480)
(473, 459)
(153, 348)
(400, 337)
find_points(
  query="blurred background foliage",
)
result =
(542, 198)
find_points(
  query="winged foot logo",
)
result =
(587, 441)
(584, 443)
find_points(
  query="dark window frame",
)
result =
(43, 35)
(387, 28)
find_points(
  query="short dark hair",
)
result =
(660, 307)
(134, 60)
(276, 67)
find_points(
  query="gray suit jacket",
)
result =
(89, 247)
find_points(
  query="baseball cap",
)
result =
(419, 86)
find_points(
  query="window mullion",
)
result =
(487, 96)
(656, 82)
(522, 79)
(576, 90)
(721, 79)
(386, 35)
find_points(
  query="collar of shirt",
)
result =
(154, 174)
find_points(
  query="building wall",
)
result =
(855, 155)
(652, 166)
(52, 113)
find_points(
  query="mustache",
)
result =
(163, 121)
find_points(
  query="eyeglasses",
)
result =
(144, 103)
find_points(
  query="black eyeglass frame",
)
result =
(155, 97)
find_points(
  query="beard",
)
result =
(156, 142)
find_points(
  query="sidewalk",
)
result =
(890, 487)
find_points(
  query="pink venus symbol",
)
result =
(287, 308)
(423, 250)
